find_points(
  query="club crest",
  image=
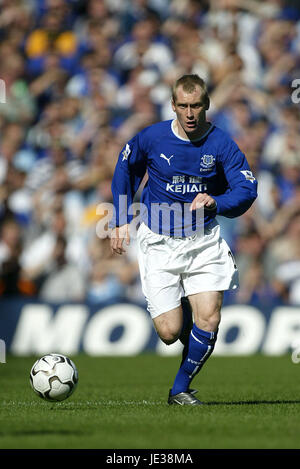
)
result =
(207, 161)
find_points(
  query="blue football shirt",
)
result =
(178, 169)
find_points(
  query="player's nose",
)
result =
(189, 113)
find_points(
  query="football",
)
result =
(54, 377)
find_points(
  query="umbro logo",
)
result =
(166, 158)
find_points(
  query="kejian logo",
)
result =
(186, 188)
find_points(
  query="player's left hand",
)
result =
(118, 236)
(203, 200)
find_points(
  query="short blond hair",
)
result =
(189, 83)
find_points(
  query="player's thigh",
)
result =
(169, 324)
(161, 285)
(206, 308)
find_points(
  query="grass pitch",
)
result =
(120, 403)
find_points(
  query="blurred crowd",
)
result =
(83, 76)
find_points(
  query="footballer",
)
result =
(195, 172)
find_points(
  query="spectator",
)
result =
(12, 280)
(60, 280)
(142, 49)
(282, 261)
(20, 104)
(110, 277)
(83, 77)
(10, 250)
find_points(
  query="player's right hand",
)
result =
(118, 235)
(203, 200)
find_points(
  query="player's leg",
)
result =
(206, 311)
(168, 325)
(175, 324)
(206, 308)
(211, 272)
(187, 320)
(187, 324)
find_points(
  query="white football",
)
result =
(54, 377)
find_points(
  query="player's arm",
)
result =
(242, 185)
(129, 172)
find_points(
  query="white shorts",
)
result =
(174, 267)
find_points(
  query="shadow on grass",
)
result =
(262, 402)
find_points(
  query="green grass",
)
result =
(120, 402)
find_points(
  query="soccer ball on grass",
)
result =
(54, 377)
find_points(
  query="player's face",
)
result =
(190, 109)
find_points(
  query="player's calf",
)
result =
(187, 321)
(207, 309)
(200, 347)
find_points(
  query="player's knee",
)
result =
(213, 324)
(168, 334)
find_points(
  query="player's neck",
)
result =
(191, 135)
